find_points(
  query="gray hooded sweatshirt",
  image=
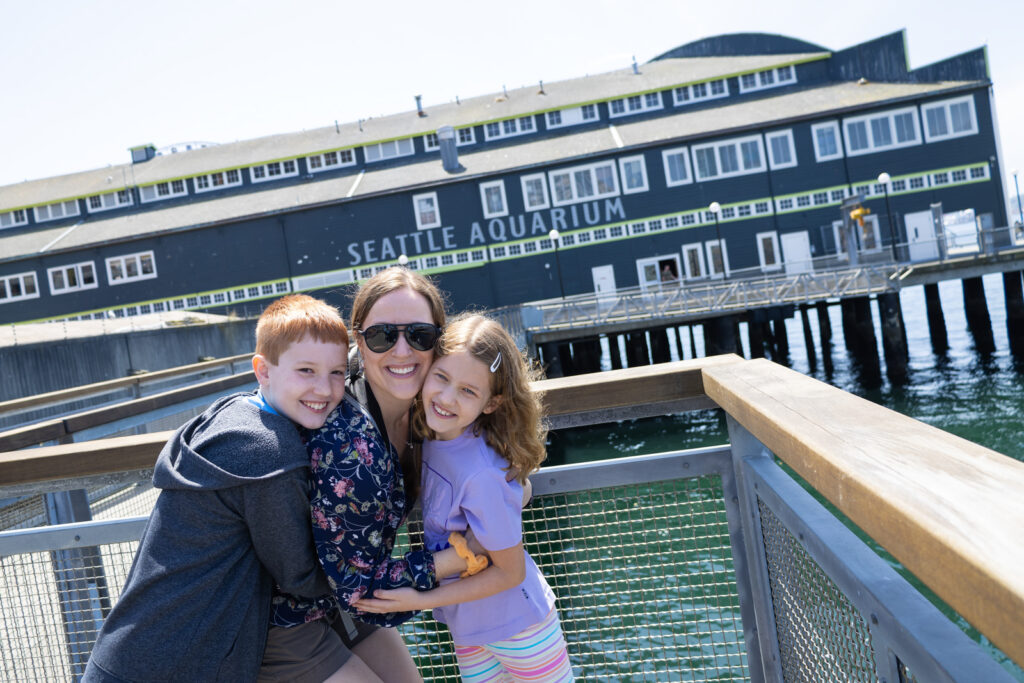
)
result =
(231, 519)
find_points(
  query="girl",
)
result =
(480, 420)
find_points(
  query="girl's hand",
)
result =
(388, 601)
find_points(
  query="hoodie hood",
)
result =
(233, 443)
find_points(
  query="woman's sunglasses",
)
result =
(380, 338)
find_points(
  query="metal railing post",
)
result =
(745, 446)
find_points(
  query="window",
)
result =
(677, 166)
(122, 269)
(9, 219)
(493, 197)
(880, 131)
(781, 153)
(509, 128)
(738, 156)
(428, 215)
(688, 94)
(52, 212)
(465, 136)
(391, 149)
(330, 160)
(535, 192)
(768, 250)
(693, 261)
(430, 142)
(18, 287)
(718, 258)
(635, 104)
(572, 116)
(218, 181)
(768, 78)
(152, 193)
(110, 200)
(274, 170)
(949, 119)
(583, 182)
(71, 278)
(634, 174)
(826, 141)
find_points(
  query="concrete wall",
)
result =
(38, 368)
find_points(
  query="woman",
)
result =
(360, 494)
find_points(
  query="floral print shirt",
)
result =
(358, 502)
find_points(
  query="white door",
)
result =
(604, 280)
(796, 252)
(921, 236)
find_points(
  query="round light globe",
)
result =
(884, 178)
(553, 235)
(403, 260)
(715, 207)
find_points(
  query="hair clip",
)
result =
(496, 363)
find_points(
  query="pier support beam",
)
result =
(613, 351)
(636, 349)
(755, 336)
(825, 336)
(894, 337)
(861, 342)
(936, 320)
(586, 356)
(693, 342)
(660, 351)
(780, 336)
(1014, 311)
(805, 323)
(978, 320)
(552, 360)
(720, 336)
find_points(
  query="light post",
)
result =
(1020, 210)
(553, 236)
(716, 208)
(884, 179)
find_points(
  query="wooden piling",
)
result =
(805, 322)
(976, 309)
(755, 337)
(720, 336)
(551, 359)
(636, 349)
(936, 320)
(894, 342)
(660, 352)
(614, 353)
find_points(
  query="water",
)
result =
(975, 396)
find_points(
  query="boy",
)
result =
(233, 517)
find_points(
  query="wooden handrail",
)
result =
(949, 510)
(112, 384)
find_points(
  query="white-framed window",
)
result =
(18, 287)
(535, 192)
(882, 130)
(109, 200)
(131, 267)
(737, 156)
(492, 195)
(781, 152)
(634, 174)
(718, 258)
(768, 250)
(338, 158)
(428, 213)
(159, 191)
(52, 212)
(392, 149)
(10, 219)
(430, 142)
(826, 141)
(767, 78)
(571, 116)
(464, 136)
(693, 262)
(217, 181)
(274, 170)
(698, 92)
(949, 119)
(677, 166)
(580, 183)
(869, 237)
(509, 127)
(634, 104)
(64, 279)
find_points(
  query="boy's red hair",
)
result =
(291, 319)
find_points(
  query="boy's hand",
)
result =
(388, 601)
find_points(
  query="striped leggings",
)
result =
(536, 655)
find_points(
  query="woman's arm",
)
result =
(507, 570)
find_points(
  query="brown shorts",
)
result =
(308, 652)
(351, 631)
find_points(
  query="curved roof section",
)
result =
(741, 45)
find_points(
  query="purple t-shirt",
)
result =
(464, 485)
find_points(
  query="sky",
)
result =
(81, 82)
